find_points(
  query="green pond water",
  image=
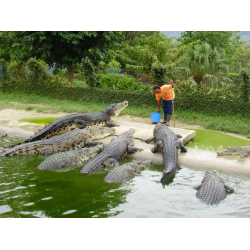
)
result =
(28, 192)
(215, 141)
(42, 121)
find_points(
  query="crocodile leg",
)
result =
(81, 123)
(244, 155)
(197, 187)
(88, 142)
(179, 136)
(133, 149)
(148, 140)
(109, 124)
(155, 149)
(181, 146)
(229, 189)
(111, 161)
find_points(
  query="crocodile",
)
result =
(244, 151)
(112, 152)
(126, 171)
(76, 138)
(68, 158)
(167, 142)
(212, 188)
(78, 120)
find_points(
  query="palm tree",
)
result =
(206, 63)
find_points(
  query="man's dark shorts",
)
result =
(167, 107)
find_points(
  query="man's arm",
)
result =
(159, 106)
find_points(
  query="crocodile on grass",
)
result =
(212, 188)
(112, 152)
(78, 120)
(244, 151)
(68, 158)
(76, 138)
(126, 171)
(167, 142)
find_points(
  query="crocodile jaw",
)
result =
(119, 108)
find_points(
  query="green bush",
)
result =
(121, 82)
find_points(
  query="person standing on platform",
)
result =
(167, 94)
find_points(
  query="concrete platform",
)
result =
(194, 158)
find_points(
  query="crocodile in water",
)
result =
(112, 152)
(212, 188)
(126, 171)
(167, 142)
(68, 158)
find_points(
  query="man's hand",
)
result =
(158, 111)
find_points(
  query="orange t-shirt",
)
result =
(165, 93)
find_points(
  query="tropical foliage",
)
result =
(205, 63)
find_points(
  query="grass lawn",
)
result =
(226, 123)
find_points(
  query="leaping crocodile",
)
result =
(112, 152)
(126, 171)
(76, 138)
(78, 120)
(167, 142)
(72, 157)
(244, 151)
(212, 188)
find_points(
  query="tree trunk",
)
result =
(70, 74)
(198, 79)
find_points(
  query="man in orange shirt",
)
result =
(168, 95)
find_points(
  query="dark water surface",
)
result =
(28, 192)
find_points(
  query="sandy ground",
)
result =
(16, 115)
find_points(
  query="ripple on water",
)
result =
(28, 204)
(46, 198)
(69, 212)
(5, 209)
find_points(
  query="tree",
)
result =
(153, 56)
(67, 48)
(206, 63)
(242, 59)
(228, 40)
(131, 35)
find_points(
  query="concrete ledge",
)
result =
(145, 131)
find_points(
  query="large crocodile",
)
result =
(126, 171)
(244, 151)
(212, 188)
(72, 157)
(76, 138)
(112, 152)
(78, 120)
(167, 142)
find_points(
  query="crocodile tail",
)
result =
(94, 164)
(19, 150)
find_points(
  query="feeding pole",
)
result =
(172, 103)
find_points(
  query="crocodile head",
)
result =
(210, 173)
(128, 135)
(228, 151)
(100, 132)
(113, 110)
(140, 165)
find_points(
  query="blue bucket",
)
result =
(155, 117)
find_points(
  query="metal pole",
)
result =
(172, 103)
